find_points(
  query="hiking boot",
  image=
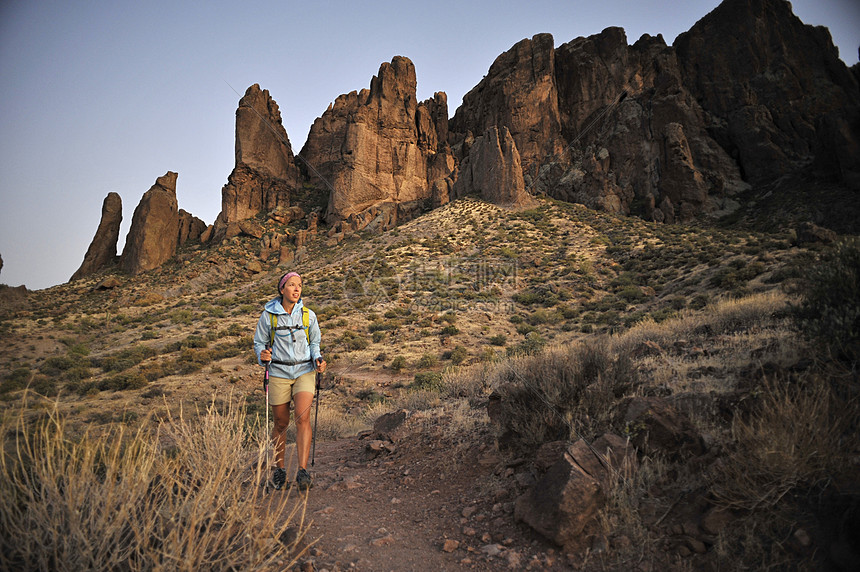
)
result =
(303, 480)
(279, 478)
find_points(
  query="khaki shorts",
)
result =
(281, 390)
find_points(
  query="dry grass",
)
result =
(722, 317)
(175, 495)
(796, 440)
(561, 393)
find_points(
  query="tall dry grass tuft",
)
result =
(798, 439)
(177, 495)
(562, 392)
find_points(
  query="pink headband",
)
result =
(285, 278)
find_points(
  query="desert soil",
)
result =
(419, 507)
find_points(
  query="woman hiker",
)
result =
(288, 336)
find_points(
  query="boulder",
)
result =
(102, 250)
(562, 503)
(389, 426)
(154, 232)
(380, 145)
(565, 500)
(811, 233)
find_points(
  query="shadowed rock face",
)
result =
(380, 145)
(770, 86)
(154, 232)
(265, 172)
(668, 133)
(102, 250)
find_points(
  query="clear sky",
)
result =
(100, 96)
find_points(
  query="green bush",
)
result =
(498, 340)
(459, 355)
(450, 330)
(15, 380)
(426, 361)
(533, 344)
(430, 380)
(829, 312)
(397, 363)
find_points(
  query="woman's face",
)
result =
(292, 290)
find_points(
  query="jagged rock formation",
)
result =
(519, 92)
(190, 227)
(265, 172)
(492, 169)
(379, 145)
(154, 233)
(102, 250)
(603, 123)
(747, 95)
(671, 132)
(775, 93)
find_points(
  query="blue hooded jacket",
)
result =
(291, 345)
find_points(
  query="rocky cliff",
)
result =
(747, 96)
(265, 172)
(775, 94)
(669, 133)
(380, 145)
(102, 250)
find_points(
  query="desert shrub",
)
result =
(428, 380)
(532, 344)
(459, 355)
(449, 330)
(631, 293)
(120, 500)
(397, 363)
(124, 359)
(773, 454)
(44, 385)
(829, 312)
(122, 381)
(426, 361)
(353, 341)
(498, 340)
(181, 316)
(542, 316)
(560, 393)
(55, 365)
(17, 379)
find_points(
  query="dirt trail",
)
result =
(415, 509)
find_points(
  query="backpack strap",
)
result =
(306, 320)
(273, 321)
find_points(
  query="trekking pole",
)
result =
(266, 430)
(316, 419)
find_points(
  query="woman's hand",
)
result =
(266, 355)
(321, 365)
